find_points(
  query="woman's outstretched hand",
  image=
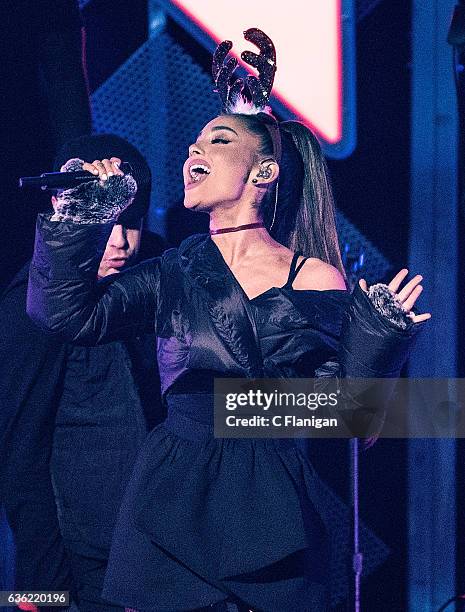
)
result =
(407, 295)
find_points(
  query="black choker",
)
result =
(223, 230)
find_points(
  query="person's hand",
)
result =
(95, 201)
(104, 168)
(407, 295)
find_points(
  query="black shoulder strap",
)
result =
(295, 270)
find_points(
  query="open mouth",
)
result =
(197, 172)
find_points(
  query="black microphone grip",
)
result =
(63, 180)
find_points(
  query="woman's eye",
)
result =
(222, 140)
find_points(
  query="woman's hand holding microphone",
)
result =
(105, 168)
(99, 201)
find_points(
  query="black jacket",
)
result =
(195, 305)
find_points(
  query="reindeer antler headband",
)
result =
(265, 63)
(249, 97)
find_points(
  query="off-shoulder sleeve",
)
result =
(64, 297)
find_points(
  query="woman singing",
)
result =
(209, 520)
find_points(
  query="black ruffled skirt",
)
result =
(205, 519)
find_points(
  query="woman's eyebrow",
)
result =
(220, 127)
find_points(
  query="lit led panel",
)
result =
(314, 40)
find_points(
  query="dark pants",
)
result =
(41, 562)
(88, 573)
(90, 468)
(88, 553)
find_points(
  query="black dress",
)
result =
(205, 518)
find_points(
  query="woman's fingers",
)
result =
(104, 168)
(408, 296)
(410, 301)
(109, 168)
(90, 168)
(421, 317)
(102, 171)
(398, 278)
(363, 284)
(409, 287)
(116, 162)
(409, 293)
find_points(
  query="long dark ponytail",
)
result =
(305, 213)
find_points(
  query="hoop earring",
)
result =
(275, 205)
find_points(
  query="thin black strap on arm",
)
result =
(295, 270)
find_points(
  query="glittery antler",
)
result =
(233, 96)
(222, 73)
(265, 63)
(219, 56)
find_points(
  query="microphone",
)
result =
(64, 180)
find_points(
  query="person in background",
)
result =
(73, 418)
